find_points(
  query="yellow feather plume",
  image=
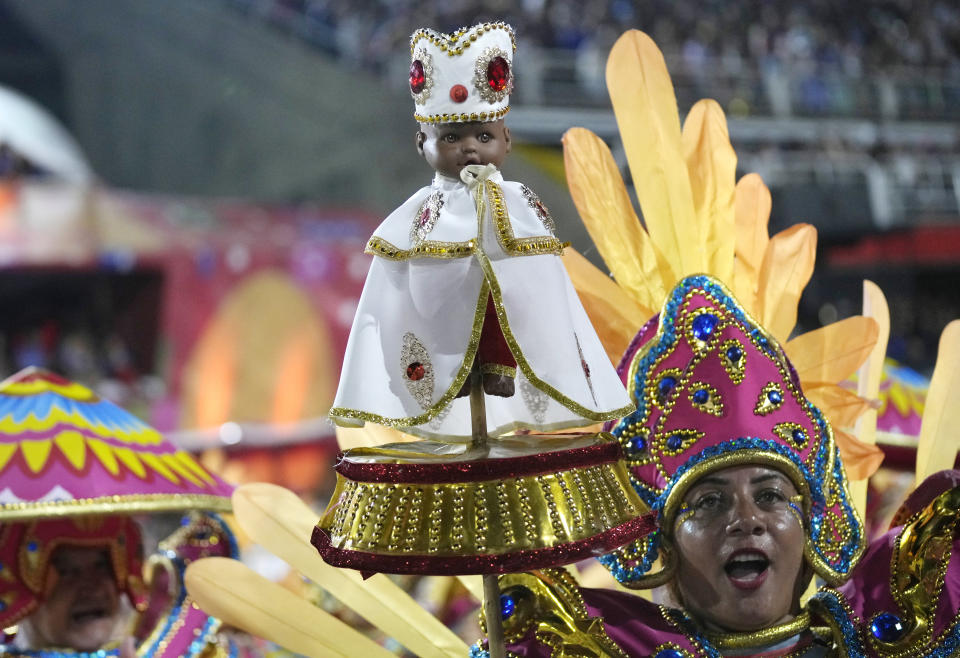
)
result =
(232, 592)
(787, 267)
(279, 521)
(833, 353)
(940, 429)
(868, 379)
(697, 221)
(604, 206)
(712, 166)
(752, 206)
(646, 110)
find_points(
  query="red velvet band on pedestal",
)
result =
(480, 469)
(446, 565)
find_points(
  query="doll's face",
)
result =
(740, 549)
(449, 147)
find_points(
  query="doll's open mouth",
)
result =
(747, 567)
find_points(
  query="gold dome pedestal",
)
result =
(492, 506)
(518, 503)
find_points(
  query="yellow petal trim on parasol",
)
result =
(646, 110)
(154, 462)
(235, 594)
(604, 206)
(279, 521)
(868, 380)
(841, 406)
(104, 453)
(187, 460)
(178, 467)
(787, 267)
(861, 460)
(130, 460)
(35, 452)
(834, 352)
(940, 429)
(615, 316)
(751, 205)
(73, 446)
(712, 166)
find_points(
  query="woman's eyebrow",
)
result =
(766, 477)
(715, 480)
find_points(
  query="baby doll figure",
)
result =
(448, 148)
(468, 270)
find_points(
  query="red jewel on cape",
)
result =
(498, 73)
(415, 371)
(458, 93)
(417, 78)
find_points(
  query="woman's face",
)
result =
(740, 548)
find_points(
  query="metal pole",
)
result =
(491, 589)
(491, 611)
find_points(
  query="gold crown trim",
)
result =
(454, 44)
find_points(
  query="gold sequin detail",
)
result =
(475, 518)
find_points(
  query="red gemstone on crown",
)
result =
(458, 93)
(498, 73)
(415, 371)
(417, 77)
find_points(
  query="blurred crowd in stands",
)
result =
(855, 36)
(814, 41)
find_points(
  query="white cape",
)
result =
(418, 322)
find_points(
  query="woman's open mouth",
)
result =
(747, 569)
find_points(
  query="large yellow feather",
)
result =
(841, 406)
(614, 315)
(232, 592)
(787, 267)
(752, 205)
(834, 352)
(868, 380)
(940, 429)
(279, 521)
(646, 110)
(712, 166)
(860, 460)
(604, 206)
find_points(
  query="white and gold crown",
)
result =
(465, 76)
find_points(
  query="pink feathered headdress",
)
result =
(713, 390)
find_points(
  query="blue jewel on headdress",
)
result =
(761, 339)
(674, 441)
(3, 606)
(638, 444)
(734, 354)
(32, 546)
(668, 653)
(703, 325)
(799, 436)
(701, 396)
(886, 627)
(774, 397)
(507, 606)
(666, 385)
